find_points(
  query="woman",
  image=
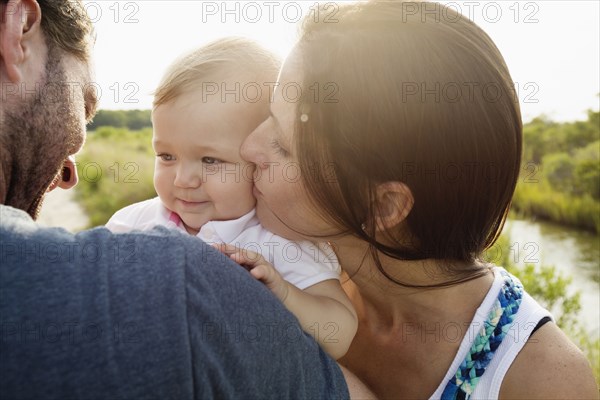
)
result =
(403, 152)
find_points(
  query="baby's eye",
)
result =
(211, 160)
(165, 157)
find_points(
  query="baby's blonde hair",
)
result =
(217, 60)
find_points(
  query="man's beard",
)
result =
(37, 137)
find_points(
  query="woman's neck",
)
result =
(387, 304)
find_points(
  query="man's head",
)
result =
(46, 96)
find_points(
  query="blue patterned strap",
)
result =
(495, 328)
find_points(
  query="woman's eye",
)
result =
(211, 160)
(165, 157)
(280, 150)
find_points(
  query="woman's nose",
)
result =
(253, 148)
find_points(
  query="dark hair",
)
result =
(419, 95)
(67, 25)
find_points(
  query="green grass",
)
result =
(115, 170)
(540, 200)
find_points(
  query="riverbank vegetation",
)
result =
(131, 119)
(560, 179)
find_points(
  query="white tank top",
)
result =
(526, 319)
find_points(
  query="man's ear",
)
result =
(67, 178)
(394, 203)
(20, 20)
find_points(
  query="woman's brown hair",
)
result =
(414, 93)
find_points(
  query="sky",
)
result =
(552, 48)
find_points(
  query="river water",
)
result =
(573, 252)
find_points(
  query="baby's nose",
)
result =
(188, 177)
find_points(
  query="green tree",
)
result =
(115, 119)
(587, 170)
(578, 134)
(561, 172)
(138, 119)
(533, 139)
(558, 169)
(132, 119)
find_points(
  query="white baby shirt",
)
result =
(303, 264)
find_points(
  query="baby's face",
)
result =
(199, 173)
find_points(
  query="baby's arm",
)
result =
(323, 309)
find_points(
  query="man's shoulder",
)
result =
(175, 300)
(24, 242)
(153, 248)
(11, 217)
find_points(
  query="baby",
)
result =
(205, 106)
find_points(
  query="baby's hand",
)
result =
(259, 268)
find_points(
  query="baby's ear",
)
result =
(393, 204)
(20, 20)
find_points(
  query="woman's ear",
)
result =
(19, 21)
(394, 203)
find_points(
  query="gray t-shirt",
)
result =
(157, 314)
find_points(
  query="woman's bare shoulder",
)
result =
(550, 366)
